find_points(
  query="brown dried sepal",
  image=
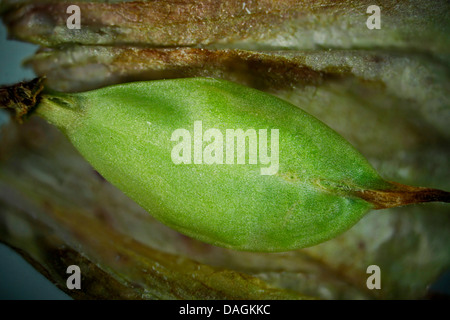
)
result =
(22, 97)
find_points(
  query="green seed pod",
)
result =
(223, 163)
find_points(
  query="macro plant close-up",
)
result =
(253, 150)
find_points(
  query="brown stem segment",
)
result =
(22, 97)
(401, 195)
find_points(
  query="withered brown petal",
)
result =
(125, 253)
(254, 25)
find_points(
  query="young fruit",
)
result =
(220, 162)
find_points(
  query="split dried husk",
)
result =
(385, 91)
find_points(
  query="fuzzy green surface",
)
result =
(125, 131)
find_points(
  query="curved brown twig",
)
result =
(22, 97)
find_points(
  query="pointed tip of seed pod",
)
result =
(22, 97)
(402, 195)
